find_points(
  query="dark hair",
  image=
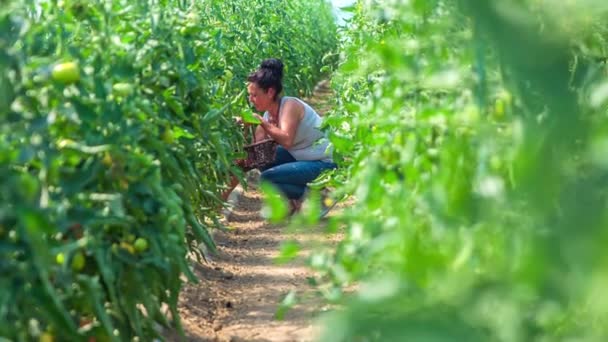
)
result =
(269, 75)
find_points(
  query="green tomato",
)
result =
(78, 261)
(122, 89)
(193, 18)
(187, 29)
(60, 258)
(46, 337)
(499, 109)
(127, 246)
(168, 137)
(66, 72)
(140, 245)
(495, 163)
(177, 187)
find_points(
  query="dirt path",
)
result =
(242, 286)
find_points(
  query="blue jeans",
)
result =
(292, 176)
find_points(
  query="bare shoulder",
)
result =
(293, 103)
(293, 107)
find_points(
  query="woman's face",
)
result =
(260, 99)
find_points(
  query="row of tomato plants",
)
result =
(472, 137)
(116, 137)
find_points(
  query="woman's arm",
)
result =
(285, 133)
(260, 133)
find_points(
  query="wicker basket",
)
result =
(260, 154)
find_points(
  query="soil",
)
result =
(241, 287)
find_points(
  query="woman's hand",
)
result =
(266, 124)
(284, 132)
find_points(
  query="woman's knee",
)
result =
(267, 175)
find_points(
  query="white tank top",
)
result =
(310, 142)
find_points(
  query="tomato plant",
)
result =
(464, 131)
(116, 139)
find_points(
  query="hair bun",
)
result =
(273, 64)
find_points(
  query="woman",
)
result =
(304, 151)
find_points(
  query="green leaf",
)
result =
(289, 251)
(173, 103)
(287, 303)
(275, 206)
(214, 114)
(248, 117)
(349, 9)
